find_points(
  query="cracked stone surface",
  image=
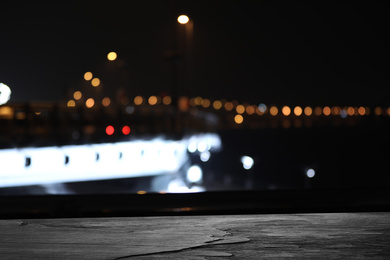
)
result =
(330, 236)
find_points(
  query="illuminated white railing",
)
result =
(45, 165)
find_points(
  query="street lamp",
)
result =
(183, 19)
(112, 56)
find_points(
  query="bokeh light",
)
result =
(350, 111)
(138, 100)
(378, 111)
(262, 108)
(106, 101)
(238, 119)
(240, 109)
(198, 101)
(229, 106)
(112, 56)
(217, 104)
(326, 111)
(167, 100)
(5, 93)
(183, 19)
(336, 110)
(126, 130)
(362, 111)
(95, 82)
(250, 110)
(298, 111)
(90, 102)
(310, 173)
(317, 111)
(77, 95)
(286, 110)
(273, 111)
(194, 174)
(110, 130)
(206, 103)
(247, 162)
(88, 76)
(308, 111)
(152, 100)
(71, 103)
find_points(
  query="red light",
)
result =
(126, 130)
(110, 130)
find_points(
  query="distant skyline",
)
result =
(276, 52)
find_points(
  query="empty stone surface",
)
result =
(335, 235)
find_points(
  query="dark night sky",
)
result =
(279, 52)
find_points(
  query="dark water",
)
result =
(342, 157)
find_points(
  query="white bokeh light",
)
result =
(194, 174)
(247, 162)
(5, 93)
(310, 173)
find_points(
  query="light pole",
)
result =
(181, 50)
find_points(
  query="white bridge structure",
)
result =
(90, 162)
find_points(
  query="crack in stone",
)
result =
(215, 241)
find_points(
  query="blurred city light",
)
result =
(205, 156)
(106, 101)
(110, 130)
(6, 112)
(250, 110)
(238, 119)
(350, 111)
(343, 113)
(362, 111)
(310, 173)
(77, 95)
(308, 111)
(298, 111)
(202, 146)
(229, 106)
(378, 111)
(183, 19)
(152, 100)
(111, 56)
(90, 102)
(206, 103)
(273, 111)
(5, 93)
(95, 82)
(88, 76)
(194, 174)
(217, 104)
(192, 147)
(72, 163)
(198, 101)
(262, 108)
(326, 111)
(71, 103)
(317, 111)
(247, 162)
(126, 130)
(336, 110)
(286, 110)
(138, 100)
(240, 109)
(167, 100)
(130, 109)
